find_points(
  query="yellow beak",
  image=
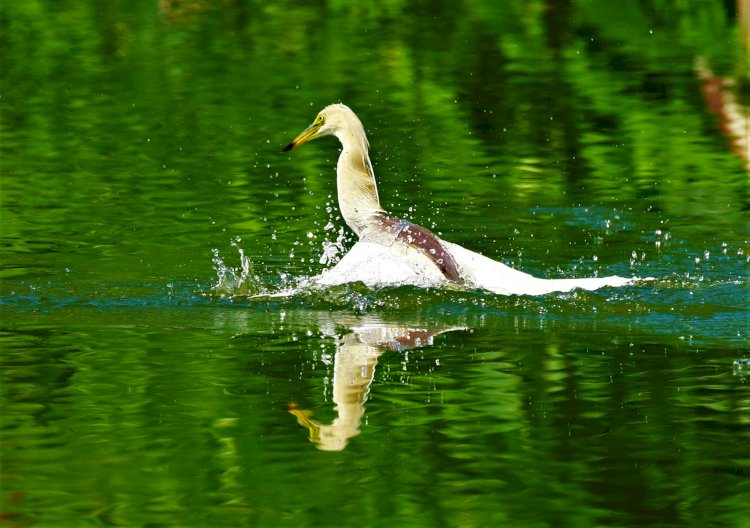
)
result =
(309, 133)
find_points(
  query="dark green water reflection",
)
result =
(140, 152)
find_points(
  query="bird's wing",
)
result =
(487, 274)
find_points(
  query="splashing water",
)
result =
(232, 282)
(333, 250)
(241, 282)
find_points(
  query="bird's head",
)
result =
(337, 120)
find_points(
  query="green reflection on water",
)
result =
(566, 139)
(185, 422)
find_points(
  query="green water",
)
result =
(140, 155)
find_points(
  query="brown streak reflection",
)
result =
(732, 114)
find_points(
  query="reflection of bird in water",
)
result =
(394, 252)
(357, 354)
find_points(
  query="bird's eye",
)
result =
(319, 120)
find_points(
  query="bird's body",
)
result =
(394, 252)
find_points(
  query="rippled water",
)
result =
(146, 205)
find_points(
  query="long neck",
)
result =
(355, 180)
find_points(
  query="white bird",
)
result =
(395, 252)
